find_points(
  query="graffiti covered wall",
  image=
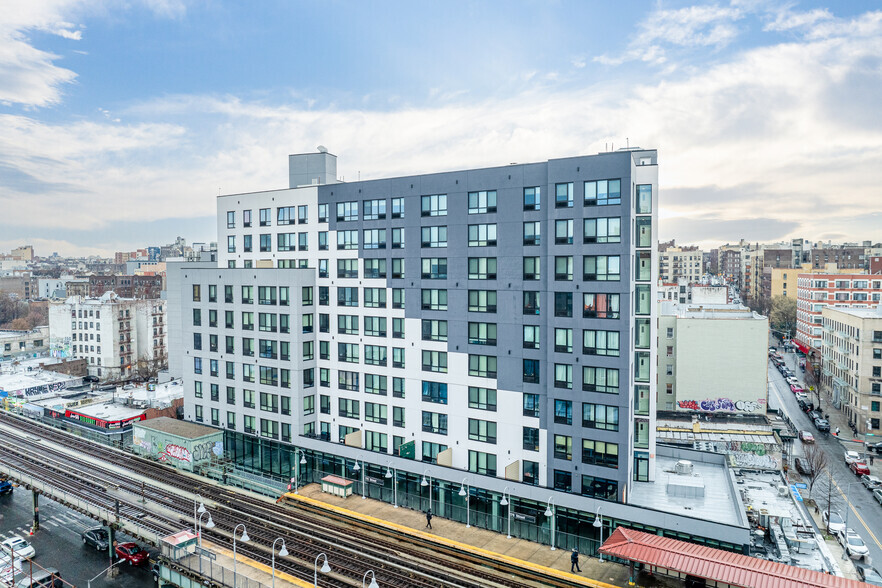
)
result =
(724, 405)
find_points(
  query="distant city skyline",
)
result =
(121, 123)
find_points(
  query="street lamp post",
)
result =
(197, 511)
(282, 553)
(389, 474)
(505, 502)
(847, 508)
(424, 483)
(357, 468)
(296, 470)
(464, 492)
(325, 569)
(549, 512)
(209, 524)
(244, 538)
(373, 583)
(598, 524)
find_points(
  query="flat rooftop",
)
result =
(183, 429)
(678, 494)
(20, 380)
(108, 411)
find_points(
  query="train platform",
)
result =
(408, 522)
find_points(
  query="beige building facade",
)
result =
(677, 262)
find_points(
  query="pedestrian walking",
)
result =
(429, 519)
(574, 561)
(837, 431)
(871, 460)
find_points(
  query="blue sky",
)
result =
(121, 121)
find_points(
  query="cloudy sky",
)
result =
(121, 120)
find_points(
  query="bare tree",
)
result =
(816, 459)
(148, 368)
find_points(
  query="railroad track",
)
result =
(351, 550)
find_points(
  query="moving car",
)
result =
(806, 437)
(851, 457)
(5, 487)
(854, 545)
(802, 466)
(870, 482)
(18, 547)
(834, 522)
(131, 553)
(95, 537)
(877, 494)
(822, 425)
(860, 468)
(869, 575)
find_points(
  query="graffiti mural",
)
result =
(172, 451)
(754, 461)
(41, 390)
(721, 404)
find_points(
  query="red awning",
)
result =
(801, 347)
(715, 564)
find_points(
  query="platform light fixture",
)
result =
(373, 583)
(245, 539)
(356, 468)
(598, 524)
(389, 474)
(282, 553)
(549, 512)
(325, 569)
(466, 490)
(505, 502)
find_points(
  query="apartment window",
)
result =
(374, 209)
(597, 379)
(482, 333)
(603, 306)
(483, 201)
(248, 398)
(348, 408)
(482, 301)
(397, 268)
(231, 244)
(347, 268)
(397, 238)
(375, 413)
(197, 365)
(531, 405)
(374, 238)
(482, 463)
(197, 293)
(670, 332)
(531, 336)
(434, 299)
(434, 422)
(265, 217)
(231, 219)
(603, 192)
(431, 451)
(563, 232)
(285, 215)
(323, 240)
(267, 322)
(269, 402)
(563, 304)
(563, 376)
(197, 341)
(433, 236)
(482, 268)
(482, 235)
(347, 239)
(375, 326)
(434, 330)
(374, 384)
(600, 453)
(483, 431)
(532, 233)
(247, 347)
(198, 413)
(375, 268)
(397, 297)
(531, 439)
(563, 268)
(600, 342)
(563, 412)
(563, 481)
(532, 198)
(434, 268)
(247, 372)
(268, 349)
(563, 447)
(603, 230)
(563, 340)
(531, 371)
(284, 242)
(397, 328)
(375, 297)
(435, 361)
(398, 208)
(347, 296)
(212, 318)
(644, 199)
(322, 213)
(302, 214)
(644, 235)
(347, 380)
(601, 268)
(482, 398)
(246, 218)
(600, 416)
(266, 295)
(398, 416)
(435, 392)
(434, 205)
(197, 386)
(347, 211)
(563, 195)
(531, 302)
(246, 243)
(398, 357)
(531, 268)
(269, 376)
(348, 352)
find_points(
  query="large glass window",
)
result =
(598, 268)
(483, 366)
(483, 431)
(375, 268)
(434, 330)
(531, 268)
(563, 195)
(483, 201)
(374, 209)
(286, 215)
(563, 376)
(482, 333)
(347, 239)
(600, 453)
(563, 412)
(644, 199)
(482, 235)
(563, 447)
(603, 192)
(563, 340)
(603, 306)
(434, 205)
(435, 392)
(347, 211)
(532, 233)
(603, 230)
(532, 198)
(600, 416)
(433, 299)
(374, 238)
(531, 302)
(434, 422)
(482, 463)
(433, 236)
(482, 268)
(600, 342)
(482, 398)
(434, 361)
(563, 304)
(266, 217)
(563, 232)
(563, 268)
(597, 379)
(531, 371)
(482, 301)
(434, 268)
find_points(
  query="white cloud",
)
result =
(787, 20)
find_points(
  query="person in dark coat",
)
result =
(429, 519)
(574, 561)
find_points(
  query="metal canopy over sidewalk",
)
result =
(681, 559)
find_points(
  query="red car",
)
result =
(131, 553)
(794, 388)
(860, 468)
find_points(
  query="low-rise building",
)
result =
(712, 358)
(32, 342)
(852, 368)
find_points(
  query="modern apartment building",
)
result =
(816, 291)
(119, 337)
(852, 368)
(440, 317)
(681, 262)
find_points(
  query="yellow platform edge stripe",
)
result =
(259, 566)
(416, 533)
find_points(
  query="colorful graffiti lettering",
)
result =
(720, 404)
(175, 452)
(688, 404)
(42, 389)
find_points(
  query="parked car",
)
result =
(806, 437)
(833, 522)
(44, 578)
(5, 487)
(822, 425)
(132, 553)
(877, 447)
(95, 537)
(796, 388)
(802, 466)
(869, 575)
(802, 396)
(860, 468)
(19, 547)
(851, 457)
(877, 494)
(853, 544)
(871, 482)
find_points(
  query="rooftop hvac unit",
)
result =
(683, 467)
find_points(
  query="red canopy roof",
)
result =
(715, 564)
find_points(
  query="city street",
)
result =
(864, 513)
(58, 543)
